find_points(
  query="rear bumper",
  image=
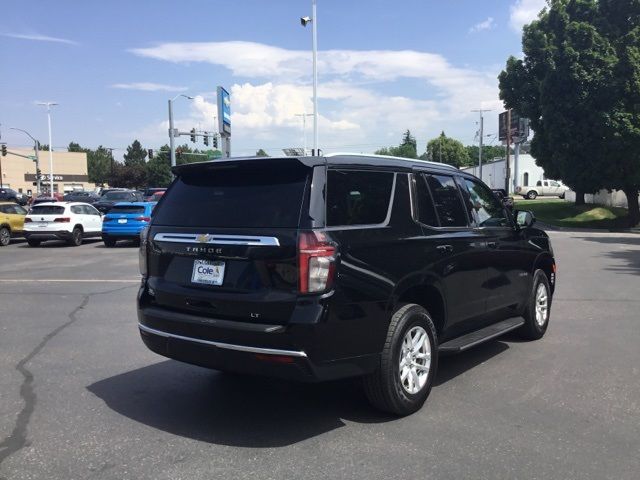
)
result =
(122, 233)
(47, 235)
(285, 351)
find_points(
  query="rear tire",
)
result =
(109, 242)
(5, 236)
(538, 309)
(532, 194)
(408, 363)
(76, 237)
(33, 243)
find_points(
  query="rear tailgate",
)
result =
(125, 217)
(223, 241)
(46, 218)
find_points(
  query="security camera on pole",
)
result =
(224, 121)
(314, 46)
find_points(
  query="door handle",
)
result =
(492, 244)
(444, 248)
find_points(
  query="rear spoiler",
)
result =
(244, 162)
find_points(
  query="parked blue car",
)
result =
(125, 221)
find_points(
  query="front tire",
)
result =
(538, 308)
(5, 236)
(408, 363)
(532, 194)
(76, 237)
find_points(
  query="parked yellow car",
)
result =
(11, 221)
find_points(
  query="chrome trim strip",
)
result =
(217, 239)
(227, 346)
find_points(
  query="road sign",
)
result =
(519, 127)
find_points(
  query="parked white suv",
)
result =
(70, 221)
(543, 188)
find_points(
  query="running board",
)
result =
(472, 339)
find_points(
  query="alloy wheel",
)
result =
(415, 360)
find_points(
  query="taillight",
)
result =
(27, 220)
(316, 261)
(62, 220)
(143, 219)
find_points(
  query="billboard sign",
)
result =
(519, 130)
(224, 112)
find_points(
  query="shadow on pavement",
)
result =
(629, 256)
(60, 243)
(248, 411)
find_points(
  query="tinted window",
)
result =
(77, 209)
(424, 203)
(90, 210)
(358, 197)
(126, 209)
(47, 210)
(118, 196)
(447, 200)
(484, 208)
(265, 195)
(4, 209)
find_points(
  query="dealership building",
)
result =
(69, 171)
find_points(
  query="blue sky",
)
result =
(383, 67)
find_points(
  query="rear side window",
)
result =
(126, 209)
(268, 194)
(448, 202)
(358, 197)
(47, 210)
(426, 213)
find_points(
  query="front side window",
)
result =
(554, 184)
(358, 197)
(484, 208)
(448, 202)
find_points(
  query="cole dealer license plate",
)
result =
(208, 272)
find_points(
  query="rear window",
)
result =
(126, 209)
(118, 196)
(357, 197)
(265, 195)
(47, 210)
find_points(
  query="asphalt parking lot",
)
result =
(81, 397)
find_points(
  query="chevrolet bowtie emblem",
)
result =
(203, 238)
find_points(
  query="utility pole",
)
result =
(304, 129)
(440, 143)
(507, 172)
(172, 132)
(481, 111)
(49, 105)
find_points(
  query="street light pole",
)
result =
(314, 46)
(314, 28)
(304, 130)
(49, 105)
(36, 146)
(172, 146)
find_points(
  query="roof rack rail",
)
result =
(391, 157)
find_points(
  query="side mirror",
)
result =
(525, 218)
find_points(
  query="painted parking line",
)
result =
(67, 280)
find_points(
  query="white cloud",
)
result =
(149, 87)
(487, 24)
(356, 108)
(39, 38)
(523, 12)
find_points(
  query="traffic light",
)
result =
(206, 138)
(4, 150)
(150, 152)
(193, 135)
(215, 141)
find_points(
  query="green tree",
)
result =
(579, 84)
(447, 150)
(99, 165)
(407, 148)
(75, 147)
(489, 152)
(135, 154)
(158, 170)
(44, 147)
(128, 176)
(261, 153)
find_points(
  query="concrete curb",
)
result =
(555, 228)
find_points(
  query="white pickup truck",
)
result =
(543, 188)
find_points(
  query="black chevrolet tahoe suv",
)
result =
(317, 268)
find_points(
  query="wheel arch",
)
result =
(427, 294)
(547, 264)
